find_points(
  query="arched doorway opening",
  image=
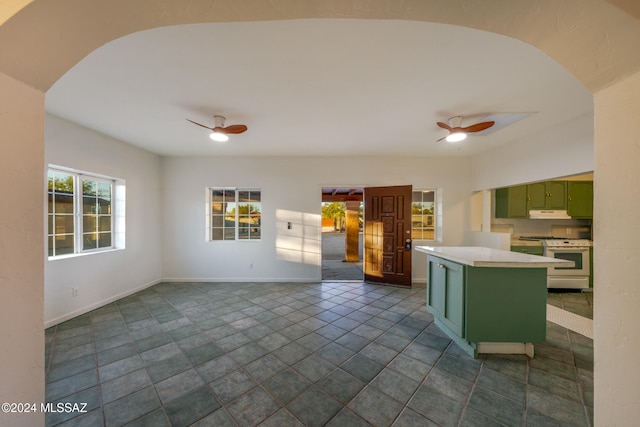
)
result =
(600, 34)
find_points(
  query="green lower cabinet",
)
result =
(487, 305)
(506, 304)
(531, 250)
(446, 297)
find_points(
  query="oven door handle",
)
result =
(578, 249)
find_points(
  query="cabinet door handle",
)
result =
(442, 266)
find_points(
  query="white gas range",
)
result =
(576, 250)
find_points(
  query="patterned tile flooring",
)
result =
(293, 354)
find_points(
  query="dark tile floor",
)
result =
(580, 303)
(292, 354)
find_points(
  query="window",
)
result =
(423, 214)
(80, 213)
(234, 214)
(97, 224)
(61, 218)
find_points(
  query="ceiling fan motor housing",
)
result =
(219, 121)
(455, 121)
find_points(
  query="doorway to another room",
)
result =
(342, 241)
(366, 234)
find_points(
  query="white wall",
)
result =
(617, 253)
(166, 211)
(21, 256)
(566, 149)
(291, 191)
(104, 277)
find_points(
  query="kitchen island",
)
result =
(489, 300)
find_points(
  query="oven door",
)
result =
(579, 256)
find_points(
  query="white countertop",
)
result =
(486, 257)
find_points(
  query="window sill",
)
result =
(82, 254)
(231, 241)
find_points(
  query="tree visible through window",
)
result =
(336, 212)
(235, 214)
(423, 214)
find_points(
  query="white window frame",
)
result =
(236, 226)
(436, 215)
(116, 216)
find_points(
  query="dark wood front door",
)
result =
(387, 227)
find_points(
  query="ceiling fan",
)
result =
(219, 132)
(459, 133)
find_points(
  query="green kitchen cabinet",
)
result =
(580, 199)
(445, 297)
(480, 306)
(506, 304)
(547, 195)
(531, 249)
(511, 202)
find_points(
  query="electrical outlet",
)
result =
(568, 231)
(74, 292)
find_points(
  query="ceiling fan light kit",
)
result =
(457, 132)
(219, 132)
(456, 137)
(218, 136)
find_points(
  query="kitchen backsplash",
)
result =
(572, 228)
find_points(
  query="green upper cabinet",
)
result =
(580, 199)
(547, 195)
(576, 197)
(511, 202)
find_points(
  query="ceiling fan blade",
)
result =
(196, 123)
(478, 127)
(234, 129)
(444, 126)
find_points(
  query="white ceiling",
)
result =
(315, 87)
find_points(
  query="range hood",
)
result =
(549, 214)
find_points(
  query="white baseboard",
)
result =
(241, 279)
(52, 322)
